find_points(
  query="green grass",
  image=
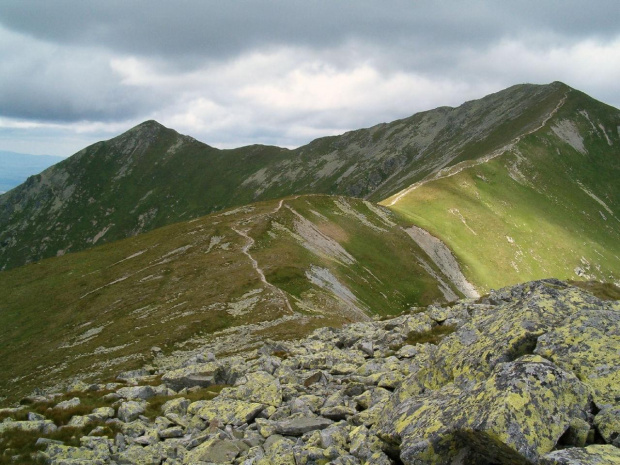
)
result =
(105, 308)
(23, 444)
(88, 402)
(541, 224)
(150, 176)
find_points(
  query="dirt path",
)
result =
(456, 169)
(249, 243)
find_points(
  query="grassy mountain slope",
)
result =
(548, 204)
(148, 177)
(274, 269)
(152, 176)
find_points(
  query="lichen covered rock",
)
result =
(588, 343)
(229, 411)
(259, 387)
(130, 410)
(526, 375)
(591, 455)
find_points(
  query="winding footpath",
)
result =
(249, 243)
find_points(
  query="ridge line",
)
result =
(456, 169)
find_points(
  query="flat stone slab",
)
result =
(299, 426)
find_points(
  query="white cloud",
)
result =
(289, 96)
(588, 65)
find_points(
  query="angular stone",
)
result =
(214, 451)
(587, 343)
(372, 397)
(300, 425)
(68, 454)
(203, 375)
(148, 438)
(343, 369)
(346, 459)
(278, 451)
(41, 426)
(102, 413)
(407, 351)
(229, 411)
(173, 432)
(318, 377)
(80, 421)
(260, 387)
(363, 444)
(138, 455)
(339, 412)
(133, 429)
(608, 424)
(518, 414)
(100, 445)
(46, 441)
(591, 455)
(178, 406)
(32, 416)
(178, 419)
(136, 392)
(131, 410)
(334, 436)
(367, 348)
(67, 404)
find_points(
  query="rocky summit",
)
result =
(527, 374)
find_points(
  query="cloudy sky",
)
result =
(238, 72)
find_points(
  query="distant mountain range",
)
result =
(16, 167)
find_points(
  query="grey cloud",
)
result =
(191, 31)
(55, 58)
(45, 82)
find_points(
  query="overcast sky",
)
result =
(238, 72)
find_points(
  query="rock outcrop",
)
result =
(528, 374)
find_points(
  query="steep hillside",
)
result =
(545, 204)
(269, 270)
(152, 176)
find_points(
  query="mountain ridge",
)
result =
(125, 186)
(547, 204)
(520, 185)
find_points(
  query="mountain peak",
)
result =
(163, 176)
(147, 132)
(151, 123)
(149, 127)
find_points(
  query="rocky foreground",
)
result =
(529, 374)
